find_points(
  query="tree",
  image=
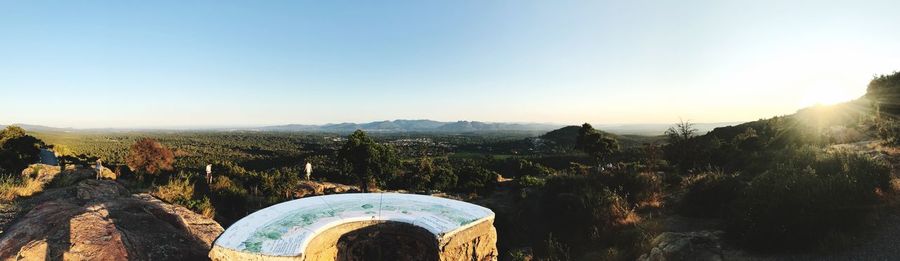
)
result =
(679, 149)
(149, 156)
(472, 177)
(431, 174)
(18, 149)
(368, 161)
(884, 92)
(595, 143)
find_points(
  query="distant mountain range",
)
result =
(408, 126)
(415, 126)
(31, 127)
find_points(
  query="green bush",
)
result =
(474, 178)
(531, 181)
(180, 191)
(801, 201)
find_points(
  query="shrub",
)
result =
(230, 198)
(582, 210)
(638, 188)
(474, 178)
(178, 191)
(795, 205)
(520, 255)
(8, 187)
(531, 181)
(205, 207)
(709, 194)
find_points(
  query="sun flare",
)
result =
(828, 96)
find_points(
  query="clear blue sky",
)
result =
(228, 63)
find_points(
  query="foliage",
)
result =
(369, 161)
(583, 213)
(149, 156)
(805, 197)
(177, 190)
(682, 145)
(180, 191)
(595, 143)
(9, 185)
(522, 167)
(473, 177)
(710, 194)
(528, 181)
(595, 212)
(637, 187)
(231, 197)
(18, 149)
(430, 174)
(884, 91)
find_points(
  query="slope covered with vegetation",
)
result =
(788, 183)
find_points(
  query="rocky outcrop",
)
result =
(315, 188)
(478, 242)
(100, 220)
(94, 190)
(699, 245)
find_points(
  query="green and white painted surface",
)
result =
(285, 229)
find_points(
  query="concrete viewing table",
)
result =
(360, 226)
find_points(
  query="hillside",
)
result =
(565, 137)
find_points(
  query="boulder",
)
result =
(99, 189)
(698, 245)
(316, 188)
(100, 220)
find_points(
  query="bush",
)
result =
(709, 194)
(8, 187)
(584, 212)
(796, 205)
(638, 188)
(521, 167)
(230, 198)
(474, 178)
(531, 182)
(180, 191)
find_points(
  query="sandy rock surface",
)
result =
(99, 220)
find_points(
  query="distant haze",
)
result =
(165, 64)
(396, 126)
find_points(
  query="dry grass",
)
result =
(29, 183)
(11, 188)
